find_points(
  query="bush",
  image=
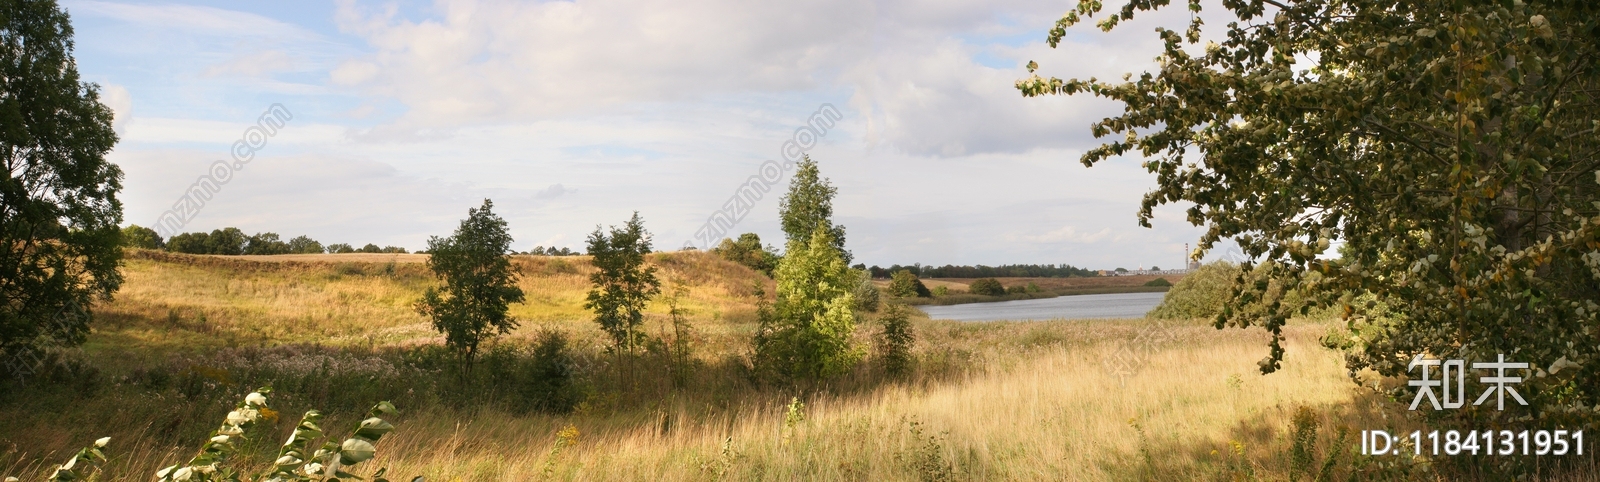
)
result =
(867, 296)
(1158, 282)
(1016, 290)
(895, 340)
(1200, 294)
(986, 286)
(906, 285)
(548, 384)
(748, 252)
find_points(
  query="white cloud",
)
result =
(121, 103)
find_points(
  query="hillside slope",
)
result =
(177, 300)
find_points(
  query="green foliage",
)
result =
(941, 291)
(479, 285)
(59, 240)
(808, 206)
(1032, 288)
(622, 282)
(341, 248)
(894, 341)
(805, 334)
(1016, 290)
(906, 285)
(749, 252)
(679, 344)
(373, 248)
(867, 296)
(1450, 145)
(986, 286)
(136, 236)
(1201, 294)
(549, 386)
(265, 243)
(1158, 282)
(305, 245)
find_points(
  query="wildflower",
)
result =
(255, 398)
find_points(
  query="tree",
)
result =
(622, 282)
(59, 240)
(986, 286)
(341, 248)
(808, 206)
(264, 244)
(136, 236)
(804, 335)
(1450, 145)
(867, 296)
(749, 252)
(370, 248)
(479, 285)
(304, 245)
(189, 243)
(906, 285)
(226, 241)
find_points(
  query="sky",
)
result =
(400, 116)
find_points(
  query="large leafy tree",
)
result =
(58, 198)
(479, 285)
(623, 284)
(808, 206)
(1452, 146)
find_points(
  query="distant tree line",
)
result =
(232, 241)
(552, 251)
(981, 271)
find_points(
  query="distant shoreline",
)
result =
(962, 299)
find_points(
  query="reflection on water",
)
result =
(1118, 305)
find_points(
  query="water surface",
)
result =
(1116, 305)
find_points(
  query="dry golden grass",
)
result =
(990, 401)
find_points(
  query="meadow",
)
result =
(1131, 399)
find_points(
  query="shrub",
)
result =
(986, 286)
(548, 384)
(1013, 290)
(906, 285)
(748, 251)
(941, 291)
(1158, 282)
(1200, 294)
(867, 296)
(895, 340)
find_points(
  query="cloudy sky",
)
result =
(572, 114)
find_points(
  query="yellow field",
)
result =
(1060, 400)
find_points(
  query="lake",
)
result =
(1116, 305)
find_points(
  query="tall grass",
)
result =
(987, 401)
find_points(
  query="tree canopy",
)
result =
(808, 206)
(59, 213)
(1452, 146)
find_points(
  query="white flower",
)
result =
(102, 442)
(255, 398)
(236, 417)
(221, 439)
(183, 474)
(313, 468)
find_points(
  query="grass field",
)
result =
(1062, 400)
